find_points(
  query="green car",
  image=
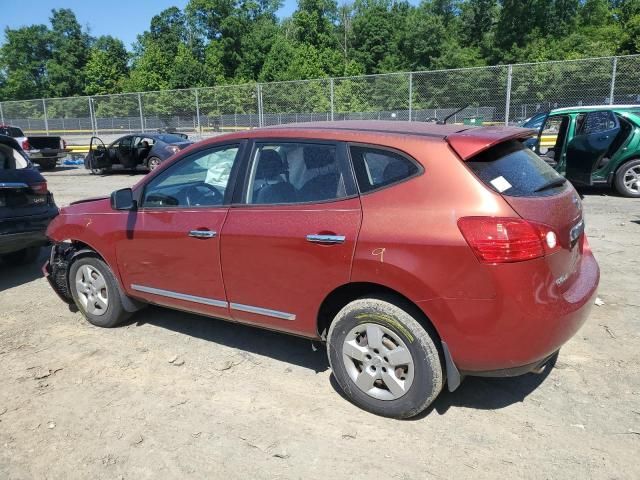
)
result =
(597, 145)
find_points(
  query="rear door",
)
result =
(289, 239)
(126, 152)
(594, 135)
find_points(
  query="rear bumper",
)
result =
(23, 232)
(516, 332)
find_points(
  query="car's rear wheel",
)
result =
(384, 360)
(153, 163)
(21, 257)
(96, 292)
(627, 179)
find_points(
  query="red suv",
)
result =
(420, 253)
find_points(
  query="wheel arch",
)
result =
(349, 292)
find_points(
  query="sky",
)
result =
(123, 19)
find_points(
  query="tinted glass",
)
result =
(513, 170)
(11, 132)
(296, 173)
(199, 180)
(595, 122)
(11, 159)
(169, 138)
(377, 168)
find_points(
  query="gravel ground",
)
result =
(174, 395)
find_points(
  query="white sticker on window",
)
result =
(501, 184)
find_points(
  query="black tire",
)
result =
(153, 163)
(619, 179)
(21, 257)
(428, 376)
(114, 313)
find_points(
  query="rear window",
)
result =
(11, 159)
(11, 132)
(513, 170)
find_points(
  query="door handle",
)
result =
(328, 239)
(203, 233)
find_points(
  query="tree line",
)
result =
(217, 42)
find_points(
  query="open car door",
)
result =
(595, 132)
(98, 156)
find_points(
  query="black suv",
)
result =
(26, 205)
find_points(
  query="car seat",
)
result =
(324, 185)
(271, 173)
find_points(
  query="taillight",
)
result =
(25, 145)
(173, 148)
(505, 240)
(39, 188)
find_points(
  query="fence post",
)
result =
(331, 92)
(46, 121)
(507, 104)
(1, 113)
(197, 112)
(260, 112)
(613, 79)
(91, 118)
(141, 116)
(410, 96)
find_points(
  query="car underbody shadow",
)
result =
(480, 393)
(279, 346)
(15, 275)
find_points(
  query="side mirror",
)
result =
(123, 199)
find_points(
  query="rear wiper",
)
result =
(557, 182)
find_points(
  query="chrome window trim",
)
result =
(180, 296)
(262, 311)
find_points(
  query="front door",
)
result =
(98, 156)
(291, 240)
(595, 132)
(171, 255)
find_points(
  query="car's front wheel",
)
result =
(384, 360)
(96, 292)
(627, 179)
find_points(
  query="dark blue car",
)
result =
(147, 150)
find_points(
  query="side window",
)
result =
(377, 168)
(552, 125)
(200, 180)
(284, 172)
(11, 159)
(595, 122)
(124, 142)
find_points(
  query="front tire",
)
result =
(96, 293)
(384, 360)
(627, 179)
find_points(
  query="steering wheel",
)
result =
(203, 193)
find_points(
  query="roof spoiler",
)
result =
(469, 143)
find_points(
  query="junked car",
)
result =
(146, 150)
(419, 253)
(596, 145)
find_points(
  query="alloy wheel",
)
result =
(92, 290)
(631, 179)
(378, 361)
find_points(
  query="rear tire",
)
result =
(153, 163)
(627, 179)
(21, 257)
(96, 292)
(383, 359)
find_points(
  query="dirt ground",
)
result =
(174, 395)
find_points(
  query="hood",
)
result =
(89, 205)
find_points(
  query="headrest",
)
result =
(318, 157)
(270, 165)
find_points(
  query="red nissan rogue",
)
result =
(420, 253)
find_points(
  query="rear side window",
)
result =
(513, 170)
(11, 159)
(376, 168)
(11, 132)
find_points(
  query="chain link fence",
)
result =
(505, 94)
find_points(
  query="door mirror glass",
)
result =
(123, 199)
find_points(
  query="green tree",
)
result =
(107, 67)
